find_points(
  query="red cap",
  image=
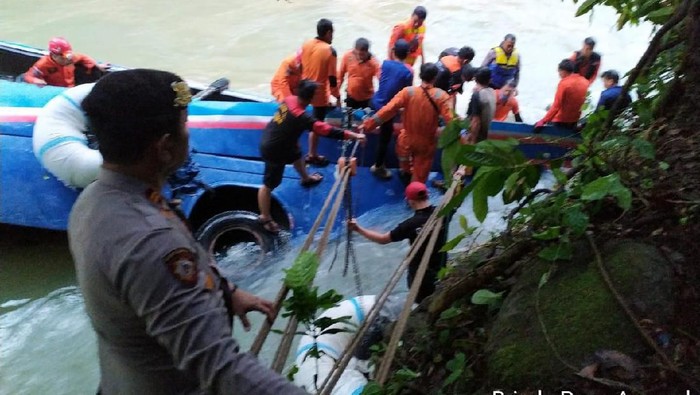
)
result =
(416, 191)
(60, 46)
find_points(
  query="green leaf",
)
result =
(586, 7)
(559, 175)
(463, 223)
(486, 297)
(661, 15)
(480, 203)
(456, 366)
(549, 234)
(543, 280)
(452, 243)
(646, 149)
(664, 166)
(553, 252)
(608, 185)
(457, 200)
(372, 388)
(450, 313)
(575, 219)
(303, 271)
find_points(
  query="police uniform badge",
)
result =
(182, 264)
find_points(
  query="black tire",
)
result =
(231, 228)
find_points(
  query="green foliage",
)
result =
(302, 272)
(466, 231)
(488, 298)
(292, 372)
(609, 185)
(499, 165)
(633, 11)
(456, 366)
(449, 142)
(450, 313)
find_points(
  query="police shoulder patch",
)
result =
(182, 264)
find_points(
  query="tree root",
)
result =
(450, 292)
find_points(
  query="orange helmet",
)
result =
(60, 46)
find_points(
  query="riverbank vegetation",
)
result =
(592, 287)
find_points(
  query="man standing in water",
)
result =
(586, 61)
(417, 198)
(361, 68)
(504, 62)
(162, 312)
(482, 107)
(413, 31)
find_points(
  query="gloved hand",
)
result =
(538, 126)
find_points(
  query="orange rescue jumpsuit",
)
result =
(570, 96)
(420, 119)
(286, 79)
(414, 37)
(319, 63)
(504, 108)
(55, 74)
(360, 75)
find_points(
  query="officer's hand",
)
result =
(352, 224)
(245, 302)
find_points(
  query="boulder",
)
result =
(579, 312)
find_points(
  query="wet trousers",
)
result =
(415, 155)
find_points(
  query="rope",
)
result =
(342, 362)
(282, 294)
(290, 330)
(288, 336)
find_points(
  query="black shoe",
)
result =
(405, 177)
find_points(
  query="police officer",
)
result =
(162, 313)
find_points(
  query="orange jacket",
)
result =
(420, 120)
(414, 37)
(319, 63)
(503, 109)
(286, 79)
(360, 75)
(46, 70)
(570, 96)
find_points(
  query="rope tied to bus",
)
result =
(336, 196)
(430, 231)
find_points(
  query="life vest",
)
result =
(414, 37)
(504, 67)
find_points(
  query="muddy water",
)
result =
(46, 343)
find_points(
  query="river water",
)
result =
(46, 343)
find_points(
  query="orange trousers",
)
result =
(415, 155)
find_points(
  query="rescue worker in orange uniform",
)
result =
(361, 68)
(413, 31)
(507, 103)
(58, 67)
(450, 69)
(287, 77)
(570, 96)
(423, 106)
(320, 63)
